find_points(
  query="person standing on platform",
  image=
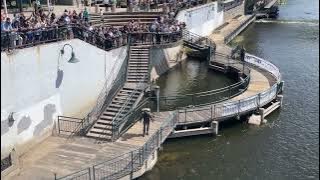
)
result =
(146, 116)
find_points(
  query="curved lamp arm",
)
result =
(72, 59)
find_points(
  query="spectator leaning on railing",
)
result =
(41, 27)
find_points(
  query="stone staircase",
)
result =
(127, 97)
(122, 18)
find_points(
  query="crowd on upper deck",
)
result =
(42, 26)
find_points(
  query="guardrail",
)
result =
(126, 164)
(234, 108)
(70, 125)
(28, 38)
(153, 38)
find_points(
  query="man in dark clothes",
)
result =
(146, 115)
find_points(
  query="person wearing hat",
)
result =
(146, 116)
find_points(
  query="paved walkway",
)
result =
(65, 156)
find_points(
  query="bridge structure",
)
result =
(122, 152)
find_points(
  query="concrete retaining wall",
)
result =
(162, 59)
(237, 10)
(30, 88)
(202, 20)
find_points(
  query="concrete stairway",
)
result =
(120, 105)
(122, 18)
(138, 66)
(127, 97)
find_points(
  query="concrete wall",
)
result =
(237, 10)
(202, 20)
(30, 88)
(162, 59)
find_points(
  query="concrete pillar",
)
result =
(281, 84)
(261, 113)
(280, 99)
(215, 127)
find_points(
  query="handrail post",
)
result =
(89, 173)
(93, 173)
(131, 173)
(58, 124)
(185, 115)
(211, 109)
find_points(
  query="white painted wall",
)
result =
(202, 20)
(28, 85)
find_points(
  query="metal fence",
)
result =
(153, 38)
(128, 163)
(237, 107)
(27, 38)
(70, 125)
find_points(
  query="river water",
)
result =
(287, 147)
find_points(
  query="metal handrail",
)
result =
(115, 121)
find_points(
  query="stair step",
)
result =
(136, 81)
(119, 106)
(133, 48)
(113, 113)
(138, 54)
(96, 135)
(140, 71)
(101, 126)
(121, 102)
(100, 131)
(106, 118)
(138, 60)
(134, 63)
(104, 122)
(133, 98)
(138, 68)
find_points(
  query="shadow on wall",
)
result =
(48, 112)
(23, 124)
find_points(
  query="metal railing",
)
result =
(128, 163)
(118, 122)
(111, 87)
(27, 38)
(70, 125)
(237, 107)
(201, 41)
(153, 38)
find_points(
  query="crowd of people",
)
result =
(41, 27)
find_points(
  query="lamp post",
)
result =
(72, 59)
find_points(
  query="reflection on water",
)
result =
(192, 76)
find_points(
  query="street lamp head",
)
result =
(73, 58)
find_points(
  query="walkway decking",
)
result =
(62, 156)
